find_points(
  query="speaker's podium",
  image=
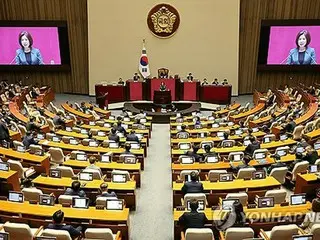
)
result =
(162, 97)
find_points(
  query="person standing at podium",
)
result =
(163, 87)
(136, 77)
(190, 77)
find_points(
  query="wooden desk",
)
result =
(266, 119)
(265, 218)
(58, 186)
(47, 113)
(307, 183)
(100, 111)
(313, 135)
(241, 116)
(129, 123)
(15, 135)
(133, 169)
(214, 190)
(40, 163)
(11, 178)
(84, 116)
(195, 132)
(225, 111)
(175, 153)
(38, 215)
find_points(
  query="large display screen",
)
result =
(33, 45)
(290, 45)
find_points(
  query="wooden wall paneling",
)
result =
(251, 14)
(75, 13)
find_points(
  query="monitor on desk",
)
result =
(230, 124)
(80, 202)
(4, 166)
(255, 129)
(259, 156)
(85, 176)
(101, 134)
(186, 160)
(313, 168)
(40, 136)
(130, 159)
(39, 152)
(184, 146)
(56, 139)
(84, 131)
(93, 144)
(92, 123)
(283, 137)
(135, 146)
(119, 178)
(55, 173)
(299, 149)
(45, 199)
(21, 149)
(246, 142)
(215, 125)
(73, 141)
(113, 145)
(179, 127)
(125, 126)
(266, 139)
(68, 129)
(260, 174)
(225, 177)
(107, 125)
(303, 237)
(264, 202)
(201, 205)
(15, 197)
(281, 153)
(238, 132)
(139, 135)
(316, 145)
(298, 199)
(4, 236)
(220, 135)
(227, 204)
(81, 157)
(106, 158)
(202, 135)
(115, 204)
(237, 157)
(212, 159)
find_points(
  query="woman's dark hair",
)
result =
(58, 216)
(28, 35)
(306, 34)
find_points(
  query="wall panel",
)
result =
(75, 13)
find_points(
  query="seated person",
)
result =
(92, 161)
(120, 82)
(163, 86)
(225, 82)
(299, 157)
(104, 191)
(243, 164)
(127, 148)
(311, 217)
(197, 122)
(194, 154)
(136, 77)
(132, 137)
(29, 139)
(225, 137)
(311, 155)
(205, 82)
(207, 151)
(83, 107)
(58, 120)
(140, 115)
(193, 219)
(120, 129)
(58, 224)
(113, 135)
(75, 190)
(32, 125)
(215, 82)
(254, 145)
(190, 77)
(290, 126)
(277, 163)
(183, 132)
(194, 186)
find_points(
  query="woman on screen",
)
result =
(27, 55)
(302, 54)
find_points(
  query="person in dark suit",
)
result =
(225, 82)
(4, 132)
(120, 82)
(244, 164)
(277, 163)
(254, 145)
(136, 77)
(120, 129)
(215, 82)
(104, 191)
(299, 157)
(58, 224)
(32, 125)
(132, 137)
(235, 218)
(127, 148)
(290, 126)
(83, 107)
(194, 153)
(29, 139)
(205, 82)
(311, 155)
(192, 187)
(75, 190)
(193, 219)
(190, 77)
(58, 120)
(302, 54)
(207, 151)
(113, 135)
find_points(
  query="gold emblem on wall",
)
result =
(163, 20)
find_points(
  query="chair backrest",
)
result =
(243, 197)
(182, 135)
(15, 165)
(31, 194)
(297, 132)
(298, 98)
(284, 232)
(214, 175)
(66, 171)
(56, 155)
(58, 234)
(279, 173)
(124, 156)
(249, 118)
(18, 231)
(199, 234)
(278, 194)
(315, 230)
(73, 154)
(203, 143)
(245, 173)
(183, 173)
(51, 124)
(102, 201)
(184, 144)
(17, 143)
(300, 167)
(43, 119)
(316, 124)
(15, 126)
(228, 143)
(235, 233)
(95, 173)
(99, 233)
(23, 130)
(196, 196)
(76, 129)
(66, 139)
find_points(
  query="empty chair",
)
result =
(186, 159)
(308, 128)
(31, 194)
(228, 143)
(56, 155)
(183, 173)
(279, 173)
(23, 130)
(194, 196)
(249, 118)
(21, 231)
(300, 167)
(102, 201)
(198, 234)
(76, 129)
(279, 195)
(51, 125)
(213, 175)
(284, 232)
(316, 124)
(245, 173)
(123, 156)
(95, 173)
(237, 233)
(243, 197)
(297, 132)
(43, 120)
(66, 171)
(17, 143)
(58, 234)
(101, 233)
(298, 98)
(15, 165)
